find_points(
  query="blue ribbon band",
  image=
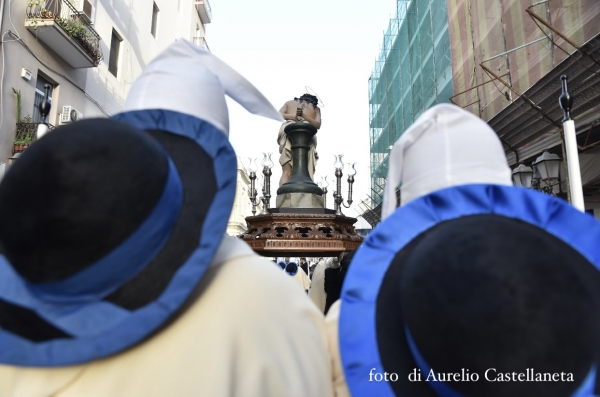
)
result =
(128, 259)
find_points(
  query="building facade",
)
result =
(508, 57)
(88, 51)
(504, 58)
(412, 73)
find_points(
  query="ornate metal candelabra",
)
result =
(339, 200)
(324, 186)
(267, 164)
(253, 196)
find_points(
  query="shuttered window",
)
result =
(115, 44)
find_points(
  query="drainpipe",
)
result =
(1, 15)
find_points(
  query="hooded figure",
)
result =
(472, 287)
(295, 271)
(317, 290)
(334, 279)
(115, 275)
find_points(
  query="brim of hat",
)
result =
(292, 268)
(358, 340)
(63, 334)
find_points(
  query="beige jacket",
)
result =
(332, 323)
(251, 333)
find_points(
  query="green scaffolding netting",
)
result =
(412, 73)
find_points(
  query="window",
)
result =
(115, 45)
(155, 11)
(40, 96)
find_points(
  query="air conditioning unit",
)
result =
(69, 114)
(86, 9)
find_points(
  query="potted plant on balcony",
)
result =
(77, 30)
(69, 21)
(26, 130)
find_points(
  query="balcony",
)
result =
(66, 31)
(203, 8)
(200, 42)
(26, 135)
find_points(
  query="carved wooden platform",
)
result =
(284, 234)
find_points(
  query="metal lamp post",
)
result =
(566, 102)
(339, 200)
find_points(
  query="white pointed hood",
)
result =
(446, 146)
(188, 79)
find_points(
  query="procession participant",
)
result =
(301, 278)
(303, 109)
(317, 290)
(304, 265)
(472, 287)
(115, 275)
(334, 279)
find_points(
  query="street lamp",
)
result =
(548, 165)
(522, 176)
(548, 168)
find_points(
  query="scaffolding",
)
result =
(412, 73)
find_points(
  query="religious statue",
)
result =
(303, 109)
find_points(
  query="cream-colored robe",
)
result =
(302, 279)
(251, 333)
(332, 319)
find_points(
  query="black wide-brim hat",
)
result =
(291, 268)
(65, 322)
(473, 278)
(138, 278)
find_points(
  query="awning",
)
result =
(533, 121)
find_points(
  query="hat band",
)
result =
(128, 259)
(442, 389)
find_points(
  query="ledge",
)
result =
(51, 34)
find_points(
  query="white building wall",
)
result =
(93, 91)
(177, 19)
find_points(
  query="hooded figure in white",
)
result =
(220, 344)
(317, 290)
(445, 147)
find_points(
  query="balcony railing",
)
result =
(26, 134)
(44, 18)
(200, 41)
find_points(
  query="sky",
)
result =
(282, 46)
